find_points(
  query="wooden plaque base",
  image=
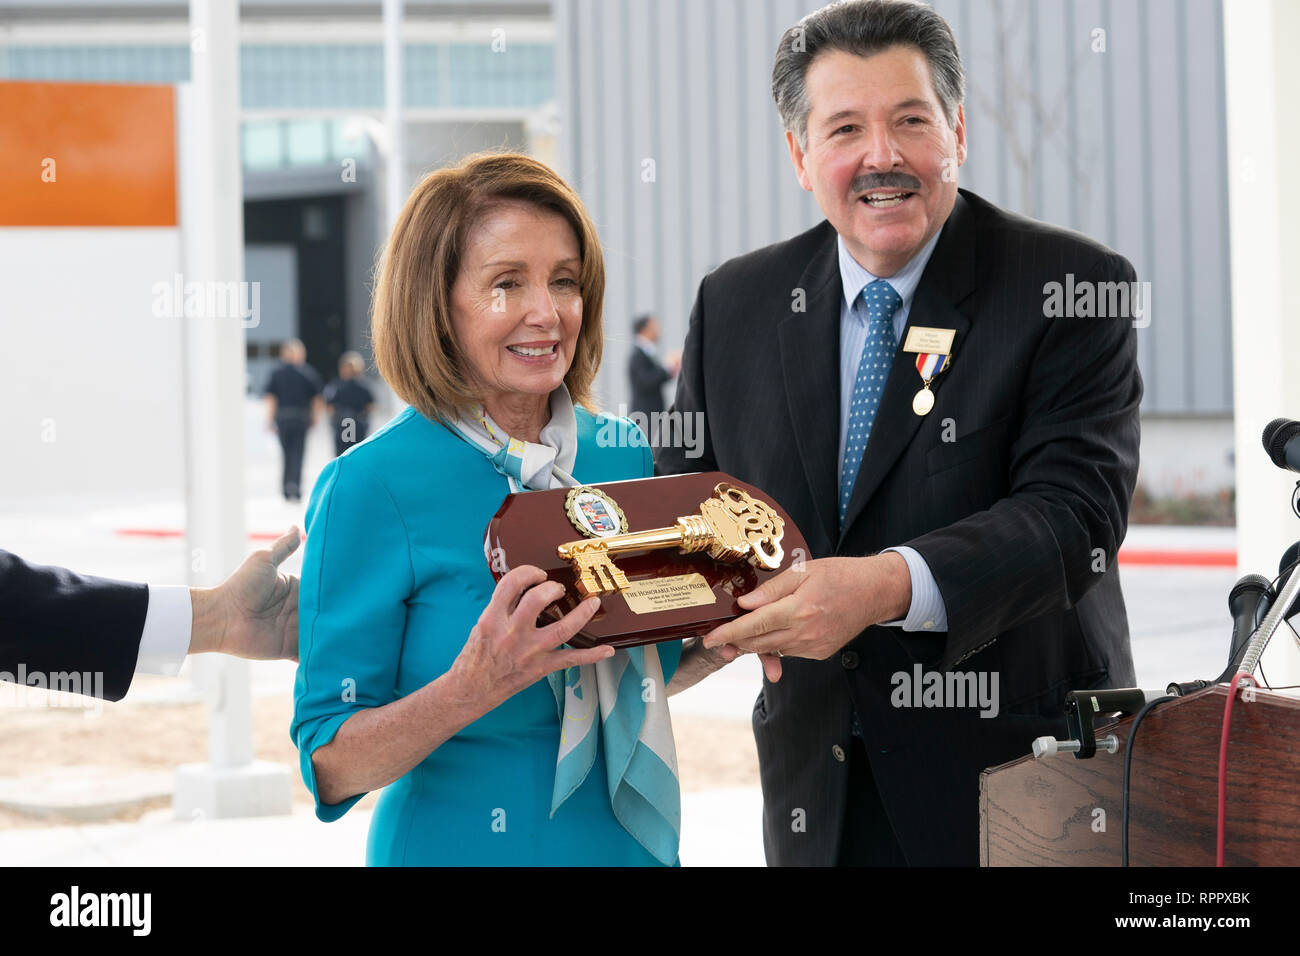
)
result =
(529, 526)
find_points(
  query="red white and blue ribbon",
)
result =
(930, 364)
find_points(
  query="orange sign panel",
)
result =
(87, 154)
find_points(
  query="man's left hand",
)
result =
(815, 610)
(253, 613)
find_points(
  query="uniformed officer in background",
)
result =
(350, 402)
(292, 406)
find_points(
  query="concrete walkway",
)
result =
(720, 828)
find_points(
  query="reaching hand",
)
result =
(729, 652)
(814, 611)
(253, 613)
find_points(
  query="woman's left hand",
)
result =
(506, 651)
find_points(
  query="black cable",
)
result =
(1267, 685)
(1289, 568)
(1233, 664)
(1128, 768)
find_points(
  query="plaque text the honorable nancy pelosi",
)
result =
(667, 594)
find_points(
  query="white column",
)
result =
(1260, 39)
(212, 249)
(395, 166)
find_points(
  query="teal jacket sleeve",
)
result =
(356, 576)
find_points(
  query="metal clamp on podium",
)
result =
(1082, 708)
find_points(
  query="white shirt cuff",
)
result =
(166, 637)
(927, 613)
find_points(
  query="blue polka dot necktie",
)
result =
(878, 350)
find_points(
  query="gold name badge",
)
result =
(668, 594)
(921, 339)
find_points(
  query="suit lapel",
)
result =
(810, 356)
(949, 278)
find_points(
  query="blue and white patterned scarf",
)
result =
(627, 689)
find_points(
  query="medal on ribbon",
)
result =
(933, 348)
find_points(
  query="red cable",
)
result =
(1223, 767)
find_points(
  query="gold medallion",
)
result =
(594, 513)
(923, 401)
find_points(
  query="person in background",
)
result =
(292, 407)
(647, 373)
(349, 401)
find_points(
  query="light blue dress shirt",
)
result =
(927, 612)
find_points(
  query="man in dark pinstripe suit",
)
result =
(1003, 506)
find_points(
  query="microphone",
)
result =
(1282, 443)
(1248, 602)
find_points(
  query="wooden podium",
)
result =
(1044, 812)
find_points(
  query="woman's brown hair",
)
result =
(411, 326)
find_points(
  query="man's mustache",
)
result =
(869, 181)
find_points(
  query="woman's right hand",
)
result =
(506, 650)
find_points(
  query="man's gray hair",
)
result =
(864, 28)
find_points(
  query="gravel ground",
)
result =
(711, 752)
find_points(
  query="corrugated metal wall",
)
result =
(670, 134)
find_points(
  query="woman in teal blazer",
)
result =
(393, 580)
(418, 672)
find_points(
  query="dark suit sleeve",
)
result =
(690, 400)
(1073, 466)
(53, 621)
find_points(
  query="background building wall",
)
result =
(1098, 115)
(1105, 116)
(90, 339)
(476, 76)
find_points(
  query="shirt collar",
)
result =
(854, 278)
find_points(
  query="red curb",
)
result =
(1198, 559)
(171, 533)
